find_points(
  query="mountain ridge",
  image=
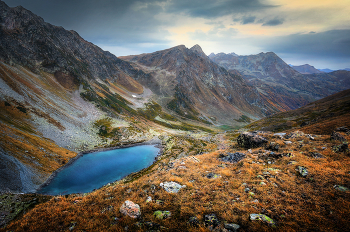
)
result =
(279, 81)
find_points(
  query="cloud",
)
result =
(273, 22)
(216, 34)
(213, 9)
(328, 48)
(107, 22)
(248, 19)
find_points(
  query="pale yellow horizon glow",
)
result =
(298, 16)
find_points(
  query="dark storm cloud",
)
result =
(273, 22)
(248, 19)
(335, 43)
(213, 9)
(103, 21)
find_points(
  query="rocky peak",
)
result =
(211, 55)
(233, 54)
(3, 5)
(196, 48)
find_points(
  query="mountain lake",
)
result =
(94, 170)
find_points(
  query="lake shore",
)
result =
(156, 142)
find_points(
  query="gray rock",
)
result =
(281, 135)
(273, 146)
(193, 221)
(341, 188)
(341, 148)
(211, 221)
(262, 217)
(302, 171)
(130, 209)
(213, 176)
(294, 134)
(337, 136)
(162, 214)
(232, 227)
(233, 157)
(251, 140)
(172, 187)
(316, 155)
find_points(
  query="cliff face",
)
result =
(278, 82)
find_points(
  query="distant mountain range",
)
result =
(330, 70)
(306, 69)
(279, 83)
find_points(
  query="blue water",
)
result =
(94, 170)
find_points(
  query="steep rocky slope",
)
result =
(48, 75)
(319, 117)
(187, 82)
(279, 82)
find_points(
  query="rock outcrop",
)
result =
(251, 140)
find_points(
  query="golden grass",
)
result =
(294, 202)
(37, 152)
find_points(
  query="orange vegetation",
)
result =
(294, 202)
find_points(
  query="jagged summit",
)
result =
(198, 49)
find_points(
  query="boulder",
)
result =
(341, 188)
(341, 148)
(211, 221)
(251, 140)
(262, 217)
(337, 136)
(233, 157)
(316, 155)
(212, 175)
(131, 209)
(162, 214)
(172, 187)
(302, 171)
(193, 221)
(343, 129)
(232, 227)
(273, 146)
(295, 134)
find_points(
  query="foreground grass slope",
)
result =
(259, 183)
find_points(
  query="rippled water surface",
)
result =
(94, 170)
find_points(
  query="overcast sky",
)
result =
(316, 32)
